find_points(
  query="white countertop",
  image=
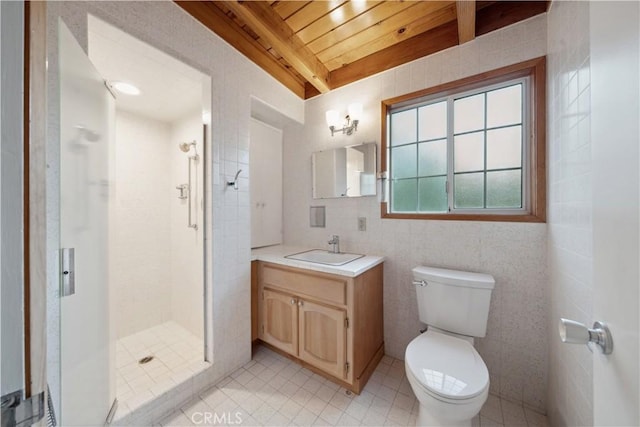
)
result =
(276, 255)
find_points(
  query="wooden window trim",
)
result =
(536, 70)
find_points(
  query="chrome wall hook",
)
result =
(234, 183)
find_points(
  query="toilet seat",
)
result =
(447, 368)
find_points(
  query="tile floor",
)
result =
(273, 391)
(177, 355)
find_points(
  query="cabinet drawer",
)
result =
(321, 287)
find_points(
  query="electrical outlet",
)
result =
(362, 223)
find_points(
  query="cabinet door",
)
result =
(255, 321)
(265, 164)
(280, 321)
(323, 337)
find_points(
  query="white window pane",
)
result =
(504, 148)
(504, 106)
(432, 158)
(468, 113)
(404, 195)
(404, 161)
(468, 190)
(468, 152)
(404, 127)
(432, 120)
(432, 194)
(504, 189)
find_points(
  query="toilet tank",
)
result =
(454, 301)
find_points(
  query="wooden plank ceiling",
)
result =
(312, 47)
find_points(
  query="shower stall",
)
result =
(134, 320)
(156, 253)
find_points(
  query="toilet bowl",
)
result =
(448, 377)
(446, 373)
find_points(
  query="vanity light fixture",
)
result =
(351, 120)
(125, 88)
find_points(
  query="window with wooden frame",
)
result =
(472, 149)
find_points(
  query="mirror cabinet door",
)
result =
(345, 171)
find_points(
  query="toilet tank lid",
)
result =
(454, 277)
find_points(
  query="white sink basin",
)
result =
(321, 256)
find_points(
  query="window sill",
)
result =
(462, 217)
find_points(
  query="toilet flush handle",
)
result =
(420, 283)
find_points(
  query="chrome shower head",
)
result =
(186, 146)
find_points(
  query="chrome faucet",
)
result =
(335, 244)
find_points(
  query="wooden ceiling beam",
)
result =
(270, 26)
(217, 21)
(500, 14)
(466, 14)
(435, 40)
(310, 91)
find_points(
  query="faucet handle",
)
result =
(335, 242)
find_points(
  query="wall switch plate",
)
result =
(362, 223)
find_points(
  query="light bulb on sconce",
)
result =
(206, 117)
(332, 117)
(351, 120)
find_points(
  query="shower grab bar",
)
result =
(195, 158)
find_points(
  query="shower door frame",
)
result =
(207, 294)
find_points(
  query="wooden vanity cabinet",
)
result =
(329, 323)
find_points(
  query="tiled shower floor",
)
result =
(271, 390)
(177, 355)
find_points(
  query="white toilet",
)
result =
(447, 375)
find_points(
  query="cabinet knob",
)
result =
(293, 301)
(300, 303)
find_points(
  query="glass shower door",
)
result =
(87, 350)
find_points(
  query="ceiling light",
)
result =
(125, 88)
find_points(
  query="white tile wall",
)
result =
(186, 264)
(140, 236)
(234, 79)
(569, 209)
(156, 263)
(516, 342)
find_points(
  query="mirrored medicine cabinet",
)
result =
(345, 171)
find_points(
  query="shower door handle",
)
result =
(67, 270)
